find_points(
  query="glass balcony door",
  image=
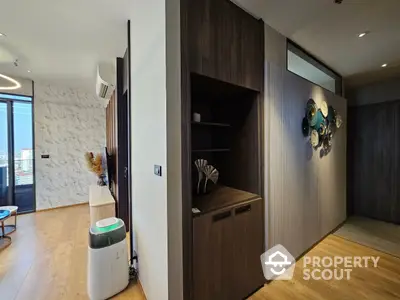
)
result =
(16, 153)
(5, 159)
(24, 196)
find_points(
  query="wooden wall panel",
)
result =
(306, 193)
(373, 161)
(111, 141)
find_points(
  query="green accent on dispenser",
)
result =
(108, 228)
(104, 236)
(100, 230)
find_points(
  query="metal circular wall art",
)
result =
(320, 124)
(324, 108)
(312, 112)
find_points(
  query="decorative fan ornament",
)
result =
(200, 165)
(212, 174)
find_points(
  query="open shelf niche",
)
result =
(227, 135)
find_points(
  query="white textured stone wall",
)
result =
(68, 123)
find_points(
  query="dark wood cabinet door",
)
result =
(226, 43)
(226, 252)
(213, 256)
(249, 245)
(251, 51)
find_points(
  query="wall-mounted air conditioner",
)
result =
(105, 82)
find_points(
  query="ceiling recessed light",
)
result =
(16, 85)
(29, 71)
(362, 34)
(2, 34)
(384, 65)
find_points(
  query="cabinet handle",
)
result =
(242, 209)
(221, 216)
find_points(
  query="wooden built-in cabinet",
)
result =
(227, 244)
(222, 50)
(226, 43)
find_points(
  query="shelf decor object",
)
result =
(206, 172)
(211, 174)
(95, 165)
(320, 125)
(196, 117)
(200, 165)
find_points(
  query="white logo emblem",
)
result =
(277, 263)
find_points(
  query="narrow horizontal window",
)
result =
(306, 66)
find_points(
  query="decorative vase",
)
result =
(102, 180)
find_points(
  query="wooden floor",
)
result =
(48, 256)
(382, 283)
(47, 260)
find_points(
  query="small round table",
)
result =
(4, 215)
(13, 213)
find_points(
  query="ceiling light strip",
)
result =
(16, 85)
